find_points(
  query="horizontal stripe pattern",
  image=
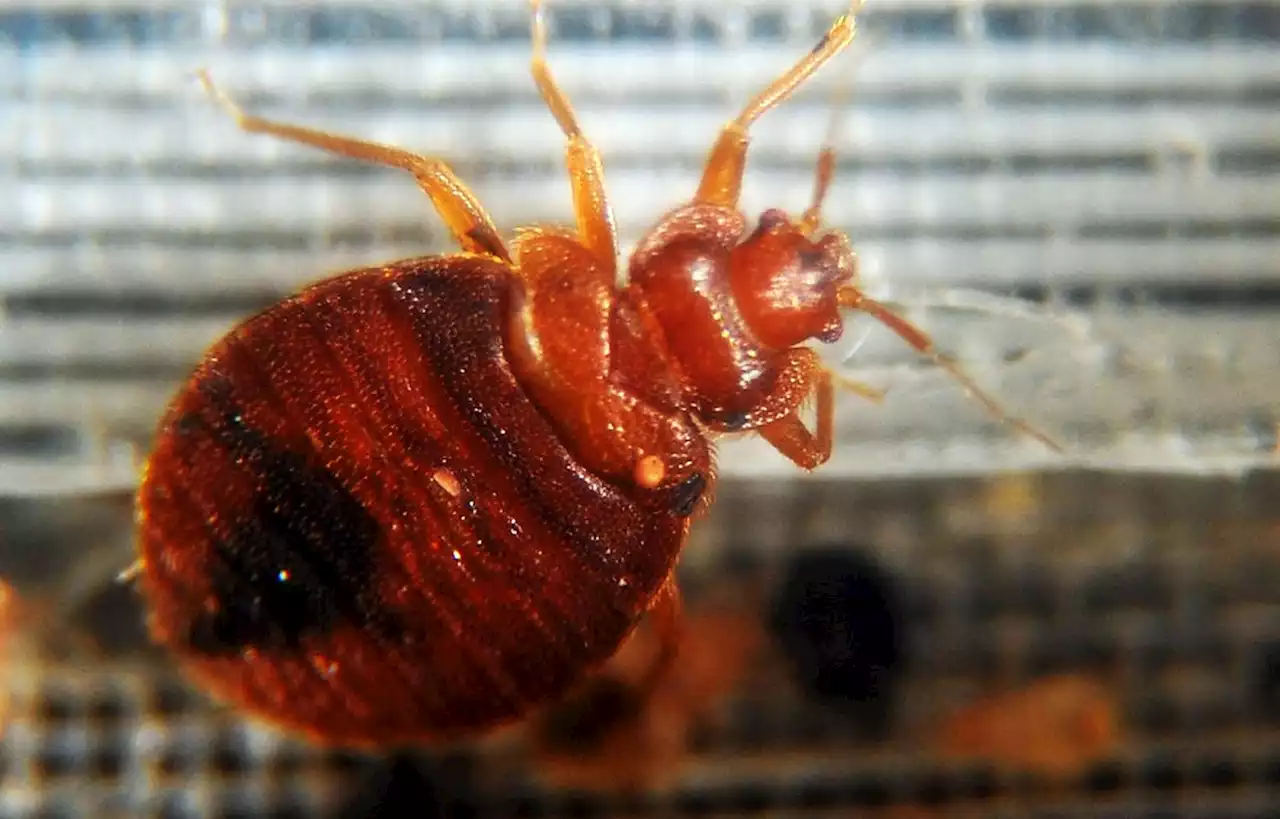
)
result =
(1096, 154)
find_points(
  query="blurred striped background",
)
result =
(1114, 163)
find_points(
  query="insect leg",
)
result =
(789, 435)
(457, 206)
(722, 177)
(596, 229)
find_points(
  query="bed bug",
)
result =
(418, 501)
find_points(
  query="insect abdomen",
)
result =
(355, 523)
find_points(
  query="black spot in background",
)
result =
(302, 559)
(399, 787)
(837, 620)
(1266, 680)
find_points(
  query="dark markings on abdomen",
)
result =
(300, 560)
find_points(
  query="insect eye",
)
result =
(770, 220)
(687, 494)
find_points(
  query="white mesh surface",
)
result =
(1115, 160)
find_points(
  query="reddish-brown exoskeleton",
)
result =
(419, 500)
